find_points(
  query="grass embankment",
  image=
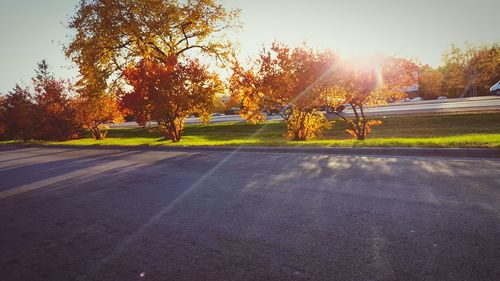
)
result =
(472, 130)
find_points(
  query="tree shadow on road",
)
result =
(274, 215)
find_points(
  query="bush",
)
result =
(306, 125)
(94, 112)
(18, 114)
(55, 111)
(48, 114)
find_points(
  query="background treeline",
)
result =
(461, 67)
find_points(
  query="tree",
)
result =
(225, 103)
(230, 102)
(366, 83)
(244, 85)
(46, 114)
(169, 96)
(18, 110)
(55, 111)
(430, 82)
(112, 34)
(474, 65)
(285, 78)
(95, 112)
(42, 72)
(219, 104)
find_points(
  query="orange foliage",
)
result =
(46, 114)
(304, 125)
(231, 102)
(366, 84)
(285, 78)
(168, 96)
(244, 86)
(18, 110)
(430, 82)
(55, 111)
(109, 35)
(95, 112)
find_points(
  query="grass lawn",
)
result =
(471, 130)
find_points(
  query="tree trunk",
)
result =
(173, 134)
(97, 133)
(363, 120)
(296, 136)
(173, 128)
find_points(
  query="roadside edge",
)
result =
(358, 151)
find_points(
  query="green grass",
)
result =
(471, 130)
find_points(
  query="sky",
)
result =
(32, 30)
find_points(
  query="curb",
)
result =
(493, 153)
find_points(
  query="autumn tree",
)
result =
(17, 110)
(111, 34)
(244, 85)
(225, 103)
(95, 112)
(430, 82)
(230, 102)
(47, 113)
(55, 110)
(169, 96)
(285, 78)
(359, 84)
(464, 68)
(219, 104)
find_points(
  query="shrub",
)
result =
(306, 125)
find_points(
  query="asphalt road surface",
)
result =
(97, 214)
(446, 105)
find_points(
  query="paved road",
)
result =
(95, 214)
(465, 105)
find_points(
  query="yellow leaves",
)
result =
(243, 87)
(109, 34)
(461, 65)
(282, 78)
(352, 133)
(306, 125)
(94, 111)
(205, 118)
(251, 111)
(369, 124)
(363, 128)
(374, 123)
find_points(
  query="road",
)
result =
(451, 105)
(475, 104)
(97, 214)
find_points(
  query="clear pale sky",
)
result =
(33, 29)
